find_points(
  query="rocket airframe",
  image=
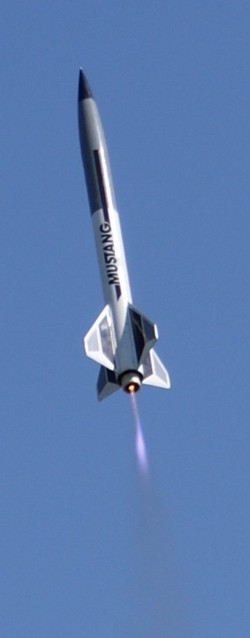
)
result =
(121, 340)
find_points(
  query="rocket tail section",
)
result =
(152, 370)
(100, 345)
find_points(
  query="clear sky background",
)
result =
(87, 549)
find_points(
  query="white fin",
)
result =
(99, 342)
(106, 383)
(154, 372)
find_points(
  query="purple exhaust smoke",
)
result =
(140, 447)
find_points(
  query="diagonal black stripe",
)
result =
(137, 332)
(118, 291)
(101, 185)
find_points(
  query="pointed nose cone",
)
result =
(84, 90)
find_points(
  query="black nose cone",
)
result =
(84, 90)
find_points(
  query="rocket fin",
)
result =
(99, 342)
(106, 383)
(154, 372)
(145, 333)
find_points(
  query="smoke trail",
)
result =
(140, 447)
(158, 606)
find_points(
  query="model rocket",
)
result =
(121, 340)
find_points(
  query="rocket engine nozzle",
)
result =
(130, 381)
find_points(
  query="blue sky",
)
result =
(87, 549)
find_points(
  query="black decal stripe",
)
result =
(101, 185)
(118, 292)
(137, 332)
